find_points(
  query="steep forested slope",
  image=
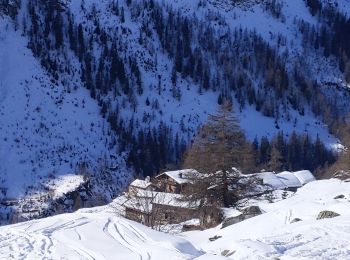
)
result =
(49, 131)
(142, 60)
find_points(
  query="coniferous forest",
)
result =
(248, 70)
(142, 60)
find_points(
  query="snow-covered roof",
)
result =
(180, 176)
(271, 180)
(284, 180)
(142, 184)
(289, 179)
(144, 200)
(304, 176)
(175, 200)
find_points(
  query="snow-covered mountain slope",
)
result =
(88, 86)
(178, 101)
(192, 107)
(98, 233)
(274, 235)
(46, 130)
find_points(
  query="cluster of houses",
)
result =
(160, 201)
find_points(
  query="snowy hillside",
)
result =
(47, 131)
(274, 234)
(98, 233)
(157, 95)
(90, 234)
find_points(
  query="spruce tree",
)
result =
(219, 146)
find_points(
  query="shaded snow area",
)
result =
(274, 235)
(98, 233)
(46, 130)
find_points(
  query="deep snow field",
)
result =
(98, 233)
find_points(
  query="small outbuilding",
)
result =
(145, 184)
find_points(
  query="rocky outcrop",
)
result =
(341, 196)
(188, 227)
(327, 214)
(47, 204)
(211, 239)
(246, 213)
(227, 253)
(342, 175)
(251, 211)
(296, 220)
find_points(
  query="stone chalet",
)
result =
(174, 181)
(158, 208)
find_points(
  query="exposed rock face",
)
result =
(227, 253)
(252, 211)
(211, 239)
(341, 196)
(232, 220)
(31, 208)
(342, 175)
(186, 228)
(75, 199)
(327, 214)
(247, 213)
(296, 220)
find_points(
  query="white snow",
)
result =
(64, 184)
(90, 234)
(272, 235)
(98, 233)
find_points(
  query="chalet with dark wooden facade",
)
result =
(174, 181)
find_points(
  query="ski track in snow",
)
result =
(74, 236)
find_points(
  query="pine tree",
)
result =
(275, 163)
(219, 146)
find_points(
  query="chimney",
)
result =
(147, 179)
(180, 175)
